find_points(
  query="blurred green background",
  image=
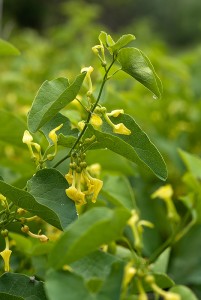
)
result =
(55, 39)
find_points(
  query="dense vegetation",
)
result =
(173, 123)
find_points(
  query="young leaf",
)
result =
(136, 63)
(184, 292)
(20, 285)
(54, 211)
(122, 42)
(106, 39)
(7, 49)
(51, 98)
(136, 147)
(48, 186)
(97, 226)
(13, 129)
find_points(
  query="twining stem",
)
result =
(105, 78)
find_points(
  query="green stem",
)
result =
(105, 78)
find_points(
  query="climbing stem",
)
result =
(105, 78)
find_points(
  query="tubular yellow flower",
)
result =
(118, 128)
(121, 129)
(69, 177)
(27, 137)
(6, 253)
(115, 113)
(77, 196)
(96, 120)
(129, 273)
(164, 192)
(42, 237)
(81, 125)
(94, 185)
(89, 70)
(52, 134)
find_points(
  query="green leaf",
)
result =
(7, 49)
(161, 279)
(22, 286)
(136, 147)
(118, 191)
(61, 284)
(111, 289)
(22, 243)
(184, 292)
(64, 133)
(96, 264)
(5, 296)
(12, 130)
(51, 98)
(192, 163)
(95, 227)
(48, 187)
(161, 264)
(25, 200)
(106, 39)
(122, 42)
(183, 258)
(135, 63)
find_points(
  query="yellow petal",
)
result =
(89, 70)
(27, 137)
(97, 186)
(6, 257)
(121, 129)
(164, 192)
(81, 125)
(77, 196)
(115, 113)
(96, 120)
(52, 134)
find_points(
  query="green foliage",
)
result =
(108, 248)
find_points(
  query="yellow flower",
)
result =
(6, 253)
(28, 140)
(27, 137)
(52, 134)
(76, 195)
(129, 273)
(97, 186)
(81, 125)
(164, 192)
(94, 185)
(43, 238)
(94, 169)
(69, 176)
(89, 70)
(96, 120)
(121, 129)
(115, 113)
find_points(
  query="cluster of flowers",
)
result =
(82, 185)
(96, 120)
